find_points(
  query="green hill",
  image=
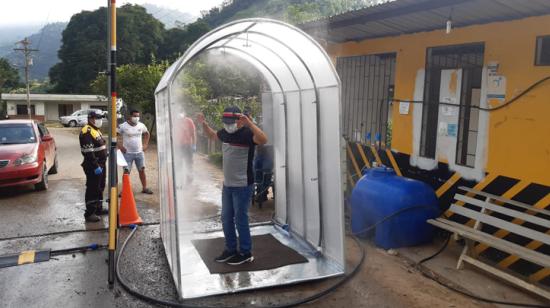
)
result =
(47, 41)
(292, 11)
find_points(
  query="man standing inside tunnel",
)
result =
(239, 137)
(94, 150)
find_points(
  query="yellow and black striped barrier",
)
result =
(446, 182)
(25, 257)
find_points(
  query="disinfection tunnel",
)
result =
(301, 116)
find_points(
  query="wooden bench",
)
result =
(473, 234)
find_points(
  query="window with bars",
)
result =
(22, 110)
(367, 88)
(469, 58)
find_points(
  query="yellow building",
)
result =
(449, 92)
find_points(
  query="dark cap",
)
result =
(231, 115)
(94, 115)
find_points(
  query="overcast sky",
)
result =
(28, 12)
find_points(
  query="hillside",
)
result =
(169, 17)
(47, 41)
(9, 34)
(292, 11)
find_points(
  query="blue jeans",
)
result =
(235, 204)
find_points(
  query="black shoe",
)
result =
(240, 259)
(102, 211)
(92, 218)
(147, 191)
(226, 255)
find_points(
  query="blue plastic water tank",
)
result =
(381, 193)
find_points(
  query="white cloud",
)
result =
(40, 11)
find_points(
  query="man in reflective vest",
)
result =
(94, 150)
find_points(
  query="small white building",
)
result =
(49, 107)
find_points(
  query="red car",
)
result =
(27, 154)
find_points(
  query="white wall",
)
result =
(52, 111)
(39, 108)
(12, 108)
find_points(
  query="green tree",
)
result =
(136, 84)
(84, 45)
(210, 84)
(178, 40)
(9, 77)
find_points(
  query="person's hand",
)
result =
(200, 118)
(98, 171)
(244, 121)
(123, 149)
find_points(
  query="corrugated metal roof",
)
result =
(411, 16)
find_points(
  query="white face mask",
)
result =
(230, 128)
(134, 120)
(98, 122)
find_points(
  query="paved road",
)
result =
(79, 280)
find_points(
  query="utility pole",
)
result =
(28, 62)
(113, 180)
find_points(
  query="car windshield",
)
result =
(16, 134)
(75, 113)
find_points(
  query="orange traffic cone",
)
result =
(128, 214)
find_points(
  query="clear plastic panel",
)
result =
(295, 172)
(291, 57)
(280, 166)
(315, 57)
(270, 79)
(267, 58)
(212, 37)
(168, 210)
(305, 136)
(330, 173)
(311, 178)
(166, 77)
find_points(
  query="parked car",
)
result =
(27, 154)
(79, 117)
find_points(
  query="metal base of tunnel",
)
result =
(196, 280)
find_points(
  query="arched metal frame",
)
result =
(297, 68)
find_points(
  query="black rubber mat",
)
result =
(268, 253)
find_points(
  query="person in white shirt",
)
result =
(133, 140)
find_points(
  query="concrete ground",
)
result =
(80, 280)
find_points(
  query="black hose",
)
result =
(447, 240)
(383, 220)
(77, 249)
(467, 294)
(346, 278)
(523, 93)
(308, 299)
(70, 231)
(439, 251)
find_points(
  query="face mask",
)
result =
(134, 120)
(230, 128)
(98, 122)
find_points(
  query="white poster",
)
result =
(404, 107)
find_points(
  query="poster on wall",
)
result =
(496, 88)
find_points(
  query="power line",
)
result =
(28, 61)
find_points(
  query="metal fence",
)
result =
(367, 89)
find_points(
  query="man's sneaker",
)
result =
(226, 255)
(92, 218)
(102, 211)
(240, 259)
(147, 191)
